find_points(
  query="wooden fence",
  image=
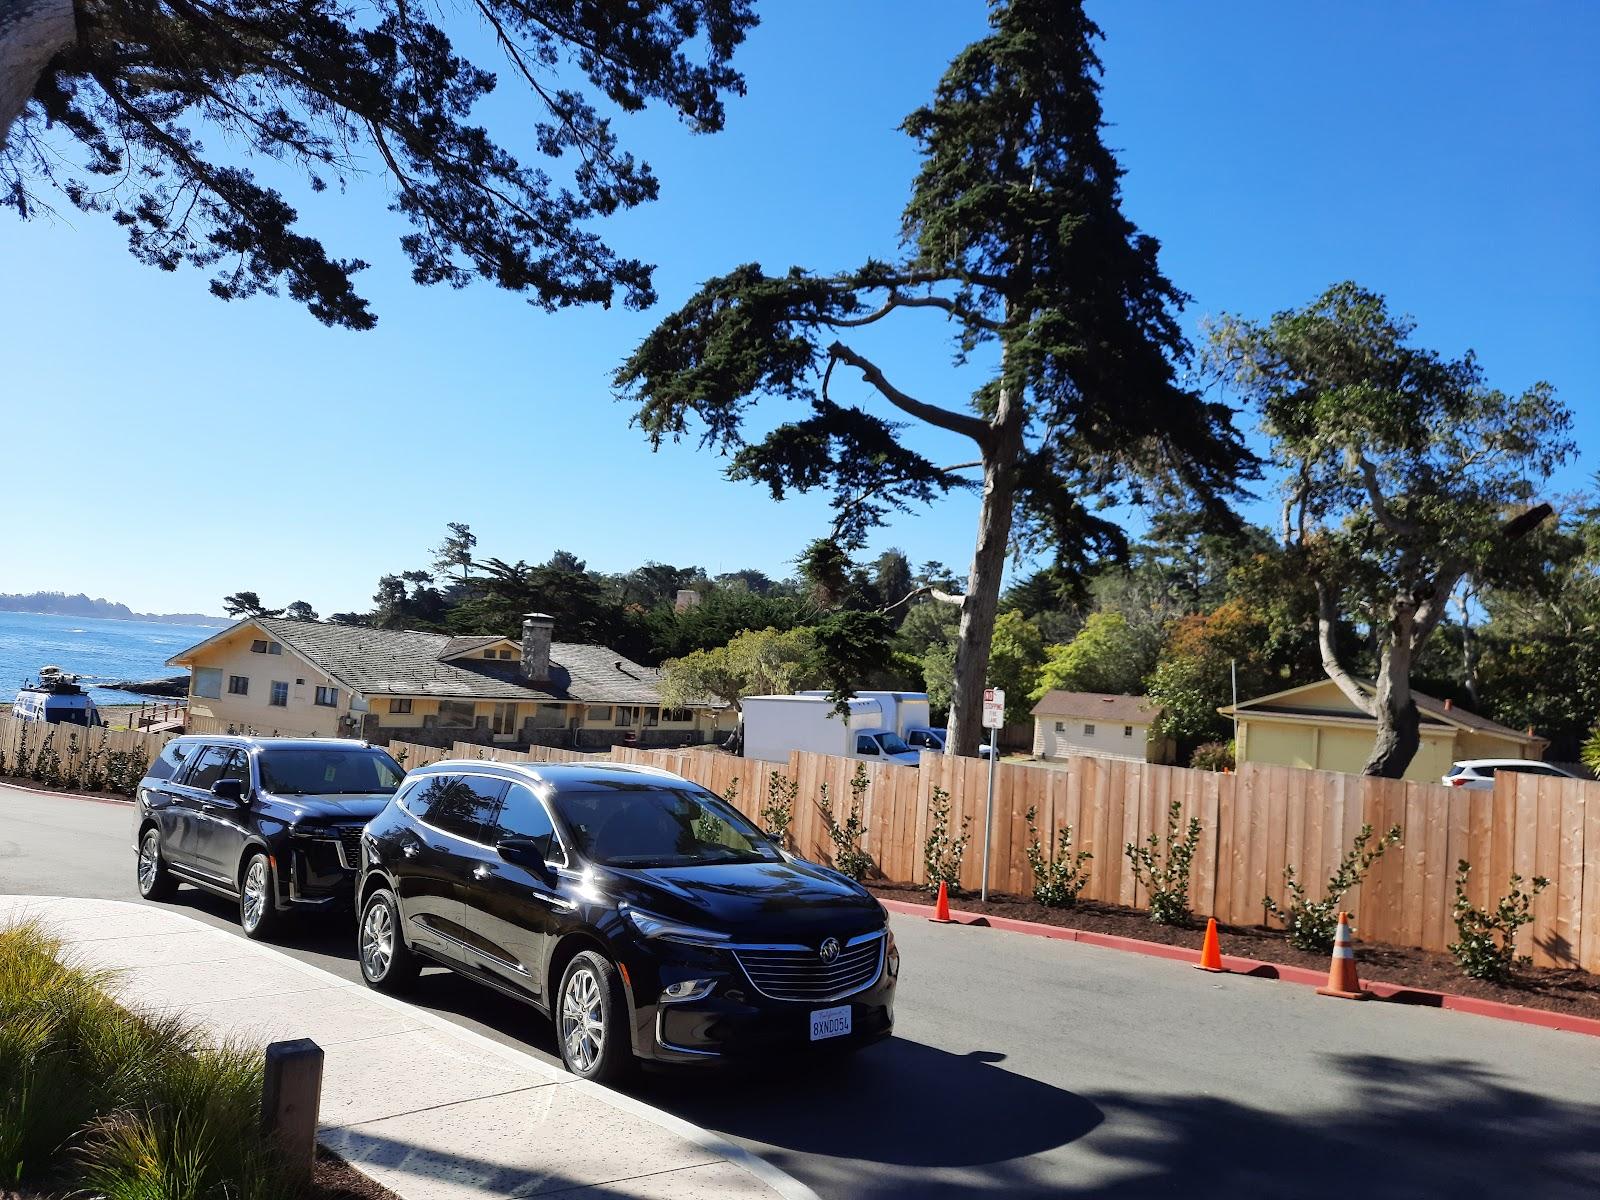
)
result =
(417, 755)
(1252, 825)
(74, 744)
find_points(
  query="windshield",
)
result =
(893, 743)
(316, 772)
(633, 825)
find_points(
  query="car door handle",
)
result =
(409, 851)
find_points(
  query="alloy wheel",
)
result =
(377, 941)
(583, 1027)
(149, 860)
(255, 892)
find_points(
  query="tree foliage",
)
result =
(1014, 231)
(758, 663)
(157, 114)
(247, 604)
(1403, 472)
(1107, 656)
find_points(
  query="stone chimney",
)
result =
(537, 630)
(1448, 704)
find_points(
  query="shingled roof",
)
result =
(408, 662)
(1110, 707)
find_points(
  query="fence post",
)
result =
(291, 1095)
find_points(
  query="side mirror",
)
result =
(231, 790)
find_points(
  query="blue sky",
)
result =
(1442, 153)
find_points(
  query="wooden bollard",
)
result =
(291, 1096)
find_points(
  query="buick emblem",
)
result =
(829, 950)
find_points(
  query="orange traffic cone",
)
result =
(941, 909)
(1342, 979)
(1211, 950)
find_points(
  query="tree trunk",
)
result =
(1399, 733)
(31, 33)
(983, 581)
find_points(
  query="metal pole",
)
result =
(988, 816)
(1233, 667)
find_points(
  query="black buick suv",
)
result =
(273, 822)
(646, 916)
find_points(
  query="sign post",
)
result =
(994, 716)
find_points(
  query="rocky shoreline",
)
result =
(176, 685)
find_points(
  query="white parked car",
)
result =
(1480, 772)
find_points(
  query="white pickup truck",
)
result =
(776, 725)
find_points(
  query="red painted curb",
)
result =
(1397, 993)
(22, 787)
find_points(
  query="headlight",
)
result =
(892, 957)
(652, 926)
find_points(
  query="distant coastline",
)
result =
(59, 604)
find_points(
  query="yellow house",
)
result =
(274, 675)
(1317, 726)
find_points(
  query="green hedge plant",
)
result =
(1165, 873)
(1311, 924)
(1058, 878)
(941, 853)
(1485, 944)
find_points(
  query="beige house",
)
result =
(275, 675)
(1317, 726)
(1107, 724)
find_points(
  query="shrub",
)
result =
(1057, 880)
(1311, 924)
(1486, 948)
(848, 857)
(941, 853)
(134, 1106)
(1167, 883)
(1212, 756)
(778, 811)
(124, 769)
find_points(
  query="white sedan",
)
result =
(1480, 772)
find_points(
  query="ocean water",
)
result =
(92, 648)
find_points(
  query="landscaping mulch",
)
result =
(1564, 991)
(334, 1179)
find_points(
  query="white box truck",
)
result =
(907, 714)
(776, 725)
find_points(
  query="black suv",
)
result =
(644, 914)
(275, 822)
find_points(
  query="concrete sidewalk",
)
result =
(430, 1110)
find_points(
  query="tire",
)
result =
(155, 882)
(591, 1019)
(258, 903)
(387, 963)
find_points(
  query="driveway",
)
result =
(1026, 1066)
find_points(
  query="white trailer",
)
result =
(776, 725)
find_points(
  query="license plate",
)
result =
(830, 1022)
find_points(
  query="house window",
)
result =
(280, 694)
(328, 697)
(259, 646)
(624, 717)
(1088, 730)
(600, 714)
(457, 714)
(1061, 726)
(505, 718)
(678, 716)
(208, 682)
(238, 685)
(490, 654)
(652, 717)
(400, 704)
(508, 653)
(1127, 731)
(274, 648)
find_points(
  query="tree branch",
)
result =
(1327, 625)
(972, 427)
(926, 590)
(897, 300)
(1380, 506)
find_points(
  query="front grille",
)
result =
(350, 846)
(802, 975)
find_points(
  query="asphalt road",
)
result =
(1024, 1066)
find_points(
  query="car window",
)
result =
(893, 743)
(209, 767)
(173, 758)
(459, 804)
(647, 825)
(343, 771)
(865, 745)
(521, 815)
(1522, 769)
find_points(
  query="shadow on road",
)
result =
(1409, 1129)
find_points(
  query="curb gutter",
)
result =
(1257, 969)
